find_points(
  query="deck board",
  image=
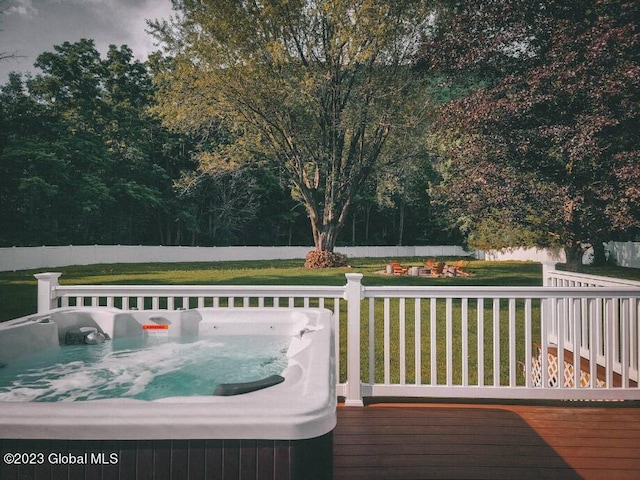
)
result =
(431, 441)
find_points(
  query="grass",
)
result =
(611, 271)
(18, 292)
(18, 298)
(405, 327)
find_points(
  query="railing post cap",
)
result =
(355, 277)
(47, 275)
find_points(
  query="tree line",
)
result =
(85, 160)
(499, 124)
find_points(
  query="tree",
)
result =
(30, 171)
(402, 187)
(314, 86)
(546, 153)
(81, 158)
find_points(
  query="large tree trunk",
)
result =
(325, 235)
(573, 251)
(573, 247)
(327, 226)
(599, 253)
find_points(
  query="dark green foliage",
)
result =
(536, 142)
(81, 160)
(547, 150)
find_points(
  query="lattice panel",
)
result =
(567, 374)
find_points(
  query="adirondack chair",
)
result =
(460, 268)
(437, 270)
(398, 269)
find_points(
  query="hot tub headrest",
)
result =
(228, 389)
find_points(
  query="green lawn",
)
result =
(18, 289)
(409, 325)
(18, 297)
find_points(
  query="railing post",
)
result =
(548, 308)
(47, 283)
(353, 296)
(547, 268)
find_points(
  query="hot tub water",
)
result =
(143, 368)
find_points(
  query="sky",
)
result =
(31, 27)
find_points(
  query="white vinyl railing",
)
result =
(446, 342)
(581, 323)
(479, 342)
(560, 278)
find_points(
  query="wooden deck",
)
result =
(468, 441)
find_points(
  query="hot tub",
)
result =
(280, 428)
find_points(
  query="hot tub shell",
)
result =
(292, 420)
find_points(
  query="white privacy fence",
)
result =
(447, 342)
(624, 254)
(26, 258)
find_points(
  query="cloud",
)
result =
(23, 8)
(125, 22)
(37, 25)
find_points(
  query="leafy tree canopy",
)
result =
(314, 86)
(81, 160)
(550, 146)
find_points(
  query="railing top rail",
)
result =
(595, 279)
(338, 291)
(501, 292)
(226, 290)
